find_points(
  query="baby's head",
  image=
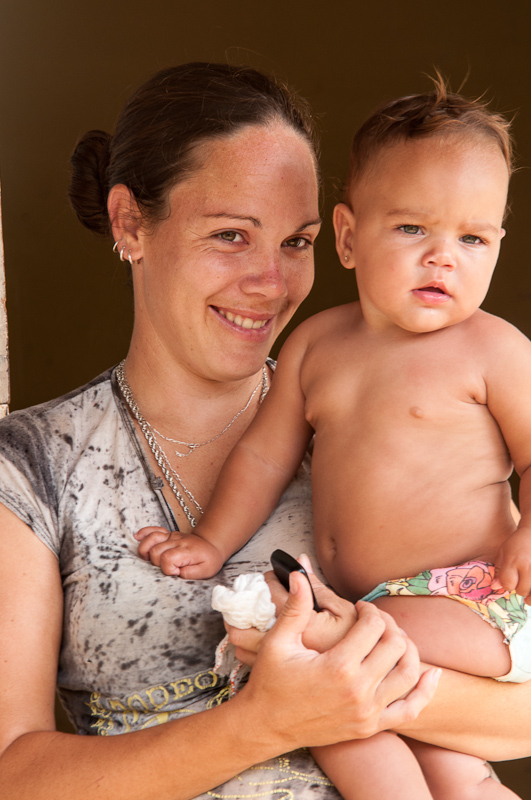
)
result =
(439, 114)
(424, 204)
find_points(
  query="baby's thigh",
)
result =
(448, 634)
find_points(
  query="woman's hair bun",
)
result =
(88, 183)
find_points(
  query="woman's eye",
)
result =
(411, 229)
(297, 242)
(469, 238)
(230, 236)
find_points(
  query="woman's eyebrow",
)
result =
(256, 222)
(223, 215)
(316, 221)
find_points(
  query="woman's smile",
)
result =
(243, 321)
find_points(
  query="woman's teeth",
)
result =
(243, 322)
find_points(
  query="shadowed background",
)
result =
(66, 67)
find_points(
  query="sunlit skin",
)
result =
(224, 272)
(423, 230)
(215, 282)
(412, 370)
(418, 401)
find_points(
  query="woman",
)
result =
(211, 189)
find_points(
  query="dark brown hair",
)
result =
(161, 127)
(421, 115)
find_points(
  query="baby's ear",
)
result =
(344, 224)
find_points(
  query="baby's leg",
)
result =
(456, 776)
(448, 634)
(373, 769)
(387, 766)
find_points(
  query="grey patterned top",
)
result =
(137, 645)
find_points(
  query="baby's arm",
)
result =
(251, 482)
(509, 401)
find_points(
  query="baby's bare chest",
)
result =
(405, 391)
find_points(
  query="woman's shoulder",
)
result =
(40, 447)
(56, 419)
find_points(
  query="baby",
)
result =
(420, 404)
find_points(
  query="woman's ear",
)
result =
(126, 223)
(344, 223)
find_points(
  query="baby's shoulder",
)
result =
(497, 345)
(330, 323)
(494, 332)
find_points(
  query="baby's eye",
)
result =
(411, 229)
(298, 242)
(230, 236)
(469, 238)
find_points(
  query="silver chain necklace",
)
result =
(160, 456)
(263, 384)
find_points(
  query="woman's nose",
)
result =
(267, 279)
(440, 254)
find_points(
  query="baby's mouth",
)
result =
(432, 293)
(243, 322)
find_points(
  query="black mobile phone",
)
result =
(283, 564)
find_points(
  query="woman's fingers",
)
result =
(405, 710)
(329, 626)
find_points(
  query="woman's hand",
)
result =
(330, 625)
(324, 630)
(351, 691)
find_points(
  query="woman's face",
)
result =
(224, 273)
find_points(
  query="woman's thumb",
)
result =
(295, 615)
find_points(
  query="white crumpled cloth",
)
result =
(247, 605)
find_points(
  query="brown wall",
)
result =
(67, 66)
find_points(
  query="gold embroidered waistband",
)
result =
(157, 704)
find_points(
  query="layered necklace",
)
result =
(150, 433)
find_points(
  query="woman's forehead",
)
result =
(248, 166)
(255, 147)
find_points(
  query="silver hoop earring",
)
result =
(115, 248)
(122, 253)
(129, 258)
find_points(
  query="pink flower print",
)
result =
(437, 582)
(472, 580)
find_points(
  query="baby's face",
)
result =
(424, 232)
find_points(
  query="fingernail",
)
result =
(306, 563)
(293, 584)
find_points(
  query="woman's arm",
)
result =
(475, 715)
(277, 711)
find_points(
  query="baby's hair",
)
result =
(439, 112)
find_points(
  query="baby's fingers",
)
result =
(170, 556)
(514, 578)
(148, 538)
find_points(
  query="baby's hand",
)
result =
(184, 554)
(513, 563)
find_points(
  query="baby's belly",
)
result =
(374, 524)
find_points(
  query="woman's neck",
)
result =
(183, 404)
